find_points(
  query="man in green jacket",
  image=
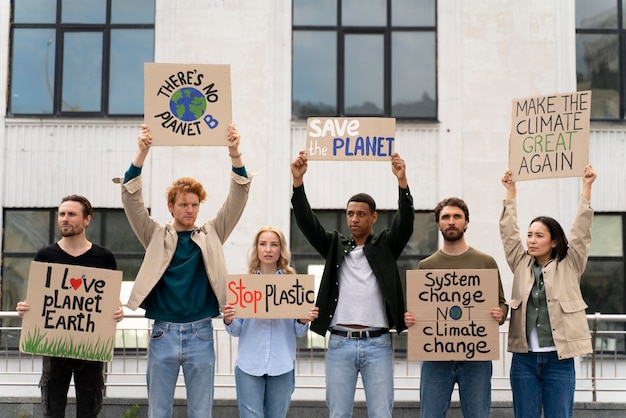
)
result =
(360, 296)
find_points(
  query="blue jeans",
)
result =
(173, 345)
(437, 383)
(542, 379)
(345, 359)
(264, 396)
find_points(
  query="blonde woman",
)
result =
(264, 370)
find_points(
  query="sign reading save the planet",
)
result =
(271, 296)
(350, 138)
(452, 308)
(187, 104)
(71, 311)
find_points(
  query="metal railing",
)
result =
(601, 376)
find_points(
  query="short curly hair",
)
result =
(185, 185)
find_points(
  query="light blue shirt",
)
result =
(266, 346)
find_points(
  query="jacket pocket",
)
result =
(574, 320)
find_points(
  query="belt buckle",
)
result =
(359, 334)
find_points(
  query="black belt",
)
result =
(360, 334)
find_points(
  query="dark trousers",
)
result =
(55, 382)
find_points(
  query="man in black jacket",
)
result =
(360, 296)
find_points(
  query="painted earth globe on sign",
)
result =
(456, 313)
(188, 104)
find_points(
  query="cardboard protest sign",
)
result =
(71, 311)
(187, 104)
(452, 310)
(550, 136)
(350, 138)
(271, 296)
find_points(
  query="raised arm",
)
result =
(589, 176)
(298, 168)
(398, 168)
(509, 185)
(144, 140)
(233, 149)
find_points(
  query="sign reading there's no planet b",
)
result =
(271, 296)
(71, 311)
(187, 104)
(452, 308)
(350, 138)
(550, 136)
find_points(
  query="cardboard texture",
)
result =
(187, 104)
(71, 311)
(452, 310)
(271, 296)
(350, 138)
(550, 136)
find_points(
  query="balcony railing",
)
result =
(601, 376)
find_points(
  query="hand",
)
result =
(409, 319)
(497, 314)
(21, 308)
(144, 138)
(589, 175)
(313, 313)
(234, 138)
(118, 315)
(509, 184)
(228, 313)
(398, 168)
(298, 168)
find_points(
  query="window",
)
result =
(28, 230)
(603, 284)
(600, 49)
(364, 58)
(79, 58)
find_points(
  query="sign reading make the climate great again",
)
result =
(187, 104)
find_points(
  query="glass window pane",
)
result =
(26, 230)
(412, 13)
(364, 75)
(136, 11)
(606, 236)
(119, 236)
(81, 11)
(34, 11)
(364, 12)
(423, 242)
(602, 286)
(597, 69)
(596, 14)
(314, 74)
(130, 267)
(82, 72)
(14, 281)
(314, 12)
(32, 71)
(130, 48)
(413, 75)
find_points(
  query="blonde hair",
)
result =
(185, 185)
(285, 255)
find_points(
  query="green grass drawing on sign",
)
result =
(62, 346)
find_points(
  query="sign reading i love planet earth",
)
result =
(187, 104)
(71, 311)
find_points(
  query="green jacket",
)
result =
(381, 250)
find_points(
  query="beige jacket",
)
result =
(566, 307)
(160, 240)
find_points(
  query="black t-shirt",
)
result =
(96, 256)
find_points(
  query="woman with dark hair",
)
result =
(548, 327)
